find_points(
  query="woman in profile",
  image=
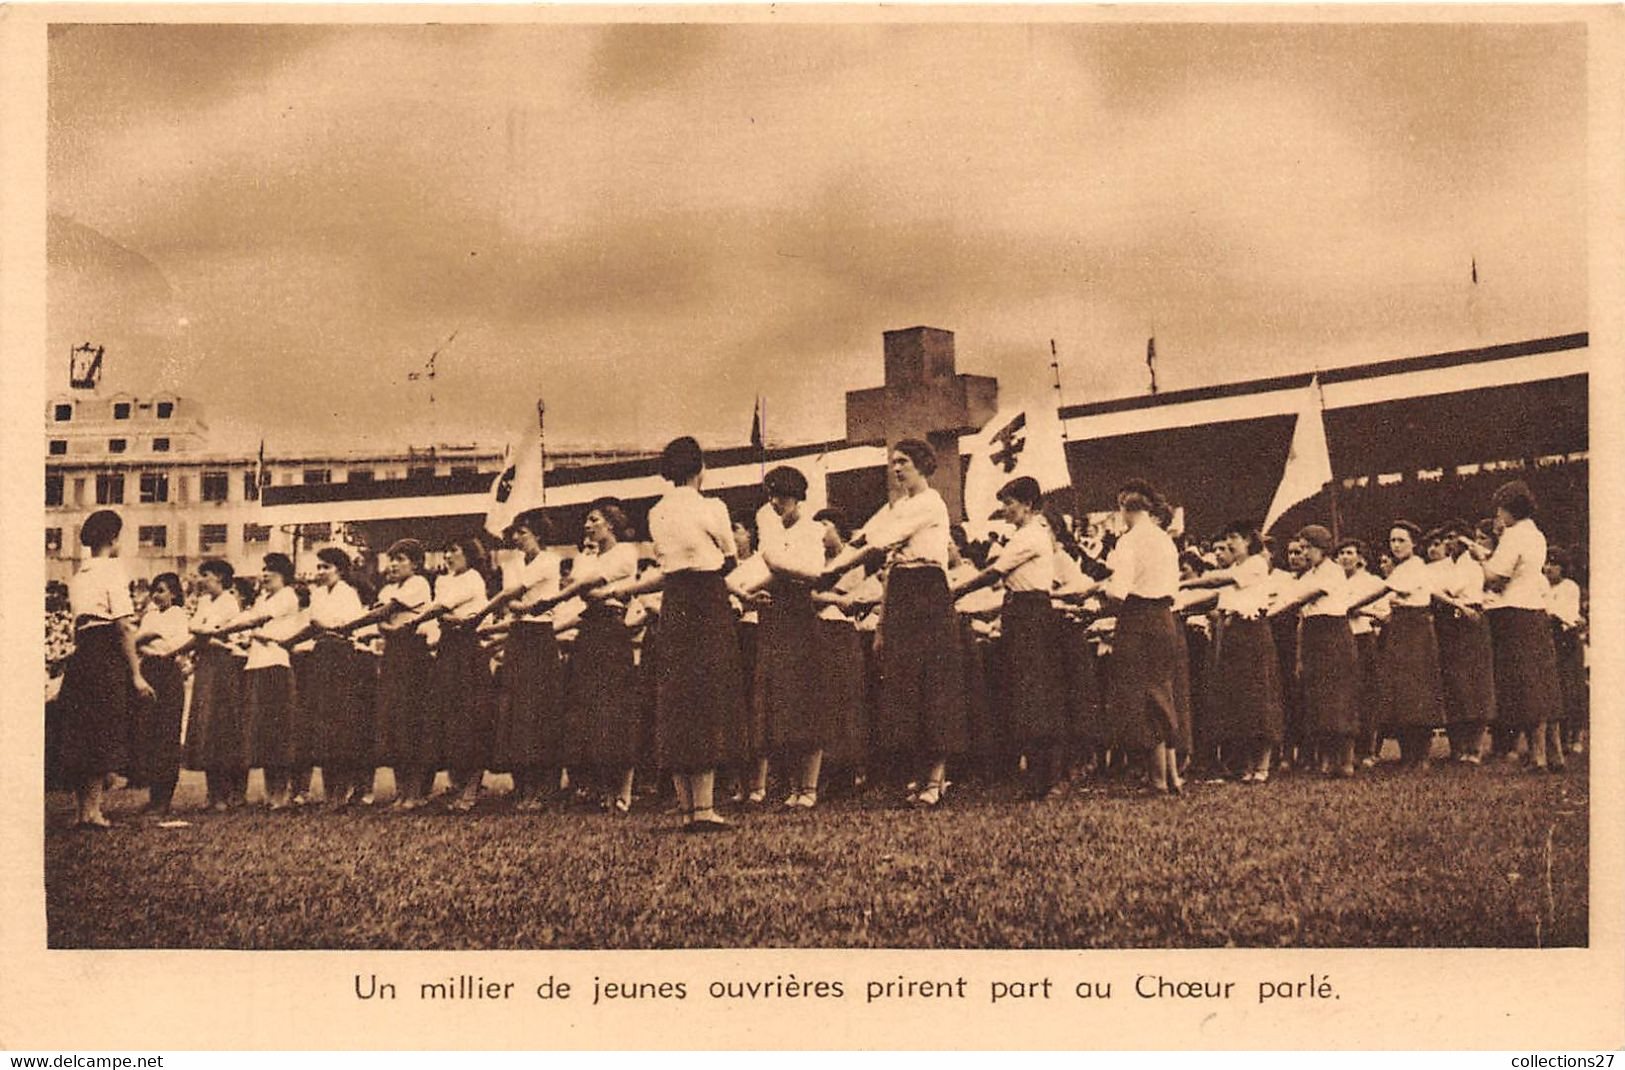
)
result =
(103, 676)
(163, 635)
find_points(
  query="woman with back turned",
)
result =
(699, 679)
(104, 674)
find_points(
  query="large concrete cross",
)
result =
(924, 398)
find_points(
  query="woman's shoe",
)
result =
(930, 795)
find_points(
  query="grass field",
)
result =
(1454, 857)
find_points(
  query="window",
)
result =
(420, 471)
(121, 410)
(318, 475)
(256, 533)
(214, 487)
(53, 488)
(154, 487)
(315, 533)
(153, 537)
(466, 470)
(160, 445)
(210, 535)
(62, 413)
(251, 486)
(361, 475)
(53, 540)
(59, 446)
(110, 489)
(166, 409)
(116, 445)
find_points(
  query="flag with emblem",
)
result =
(1016, 442)
(518, 487)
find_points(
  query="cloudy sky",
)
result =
(650, 225)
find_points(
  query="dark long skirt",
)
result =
(700, 709)
(408, 729)
(1244, 684)
(921, 680)
(1140, 709)
(269, 710)
(529, 729)
(987, 734)
(1467, 667)
(603, 724)
(1184, 705)
(1527, 691)
(1083, 692)
(304, 725)
(1571, 678)
(216, 732)
(1366, 645)
(789, 688)
(1331, 668)
(92, 732)
(1284, 629)
(840, 661)
(756, 741)
(338, 704)
(1412, 687)
(1031, 696)
(462, 699)
(1198, 646)
(155, 729)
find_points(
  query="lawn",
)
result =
(1452, 858)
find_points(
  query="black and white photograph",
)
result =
(652, 483)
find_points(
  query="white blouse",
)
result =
(265, 649)
(412, 592)
(173, 629)
(1249, 596)
(799, 546)
(1144, 563)
(101, 590)
(1563, 602)
(914, 531)
(1411, 583)
(330, 608)
(691, 532)
(1462, 578)
(1331, 589)
(1027, 561)
(1519, 556)
(461, 592)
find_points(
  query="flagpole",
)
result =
(1337, 526)
(541, 447)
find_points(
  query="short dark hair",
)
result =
(1411, 529)
(1142, 490)
(1194, 560)
(920, 453)
(173, 582)
(281, 565)
(838, 518)
(472, 548)
(681, 460)
(1248, 532)
(219, 569)
(101, 528)
(1359, 547)
(614, 511)
(534, 521)
(332, 555)
(785, 482)
(1516, 498)
(1317, 536)
(1022, 489)
(410, 549)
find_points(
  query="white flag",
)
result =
(518, 487)
(1015, 443)
(1308, 462)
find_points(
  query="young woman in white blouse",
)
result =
(268, 696)
(1565, 606)
(1243, 680)
(602, 722)
(461, 681)
(1466, 652)
(163, 634)
(1330, 663)
(921, 708)
(338, 700)
(1032, 683)
(1412, 685)
(528, 736)
(1353, 556)
(840, 655)
(788, 681)
(699, 680)
(1527, 692)
(215, 740)
(103, 675)
(1144, 579)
